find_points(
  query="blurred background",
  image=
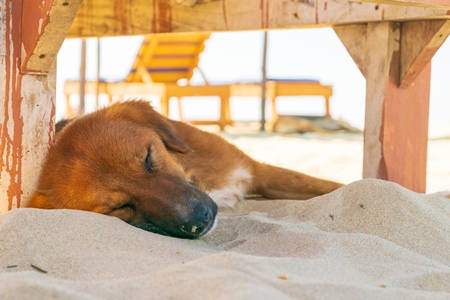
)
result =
(237, 57)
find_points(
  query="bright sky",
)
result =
(233, 57)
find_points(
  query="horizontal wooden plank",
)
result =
(191, 2)
(445, 4)
(161, 63)
(170, 77)
(123, 17)
(192, 91)
(240, 90)
(177, 49)
(295, 89)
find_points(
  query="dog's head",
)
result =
(122, 161)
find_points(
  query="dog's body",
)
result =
(130, 162)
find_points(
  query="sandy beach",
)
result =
(370, 239)
(337, 157)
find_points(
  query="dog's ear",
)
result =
(171, 140)
(142, 113)
(61, 124)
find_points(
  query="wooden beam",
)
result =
(396, 125)
(190, 2)
(347, 36)
(443, 4)
(420, 41)
(123, 17)
(44, 26)
(27, 110)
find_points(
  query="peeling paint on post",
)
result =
(26, 114)
(12, 122)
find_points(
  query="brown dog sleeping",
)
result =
(165, 176)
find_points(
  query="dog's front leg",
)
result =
(278, 183)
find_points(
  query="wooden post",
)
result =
(225, 118)
(81, 108)
(263, 84)
(29, 43)
(396, 125)
(26, 113)
(98, 79)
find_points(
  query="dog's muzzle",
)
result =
(201, 221)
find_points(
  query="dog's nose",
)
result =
(201, 213)
(201, 217)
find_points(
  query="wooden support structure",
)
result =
(420, 41)
(29, 43)
(444, 4)
(44, 27)
(120, 17)
(396, 126)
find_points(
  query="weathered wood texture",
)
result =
(26, 113)
(191, 2)
(124, 17)
(396, 126)
(44, 27)
(405, 132)
(444, 4)
(421, 39)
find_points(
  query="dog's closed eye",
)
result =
(126, 206)
(149, 160)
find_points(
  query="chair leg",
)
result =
(68, 107)
(227, 114)
(110, 99)
(223, 112)
(164, 106)
(180, 109)
(275, 115)
(327, 106)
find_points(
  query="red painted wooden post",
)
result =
(396, 127)
(26, 115)
(29, 43)
(11, 122)
(404, 133)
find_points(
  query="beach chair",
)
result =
(277, 87)
(162, 60)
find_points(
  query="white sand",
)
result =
(337, 157)
(369, 240)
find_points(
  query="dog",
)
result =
(158, 174)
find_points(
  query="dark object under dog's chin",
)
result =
(151, 228)
(158, 230)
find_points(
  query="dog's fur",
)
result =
(130, 162)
